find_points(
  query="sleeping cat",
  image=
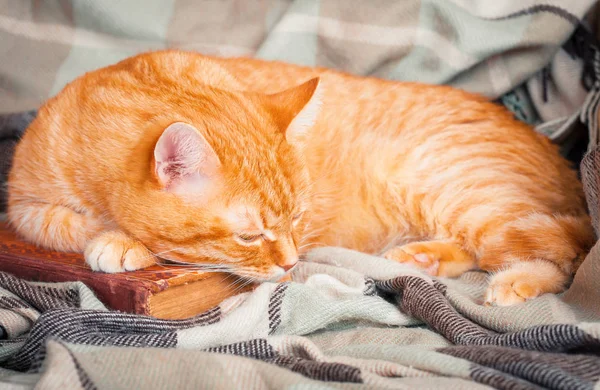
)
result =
(242, 164)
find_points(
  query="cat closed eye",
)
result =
(248, 238)
(297, 217)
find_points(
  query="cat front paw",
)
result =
(114, 251)
(427, 262)
(443, 258)
(523, 281)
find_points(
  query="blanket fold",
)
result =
(350, 319)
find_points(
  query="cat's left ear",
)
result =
(296, 109)
(184, 161)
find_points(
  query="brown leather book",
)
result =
(162, 291)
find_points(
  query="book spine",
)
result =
(120, 296)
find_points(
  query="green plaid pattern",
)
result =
(348, 320)
(481, 46)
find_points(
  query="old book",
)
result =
(162, 291)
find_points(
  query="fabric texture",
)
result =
(348, 320)
(12, 127)
(469, 44)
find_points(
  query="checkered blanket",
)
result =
(486, 47)
(348, 320)
(524, 52)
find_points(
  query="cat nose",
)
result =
(288, 265)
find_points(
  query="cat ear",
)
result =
(296, 109)
(183, 159)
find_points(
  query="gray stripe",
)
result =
(321, 371)
(84, 378)
(549, 370)
(260, 349)
(541, 8)
(425, 302)
(498, 380)
(275, 307)
(256, 349)
(35, 296)
(13, 303)
(102, 328)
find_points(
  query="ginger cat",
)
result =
(242, 164)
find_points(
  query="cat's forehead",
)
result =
(248, 217)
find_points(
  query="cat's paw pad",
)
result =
(524, 281)
(510, 289)
(427, 262)
(115, 252)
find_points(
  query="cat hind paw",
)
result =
(508, 292)
(523, 281)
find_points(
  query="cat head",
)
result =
(236, 183)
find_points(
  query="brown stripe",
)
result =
(550, 370)
(422, 300)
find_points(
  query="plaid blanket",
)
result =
(348, 320)
(534, 56)
(523, 53)
(471, 44)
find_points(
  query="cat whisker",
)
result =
(167, 251)
(206, 266)
(179, 264)
(196, 267)
(158, 255)
(309, 236)
(244, 281)
(190, 269)
(312, 234)
(301, 247)
(242, 286)
(237, 283)
(216, 261)
(308, 242)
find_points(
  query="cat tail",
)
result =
(561, 239)
(51, 226)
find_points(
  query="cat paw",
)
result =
(443, 258)
(116, 252)
(524, 281)
(427, 262)
(510, 291)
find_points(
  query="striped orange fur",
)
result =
(242, 164)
